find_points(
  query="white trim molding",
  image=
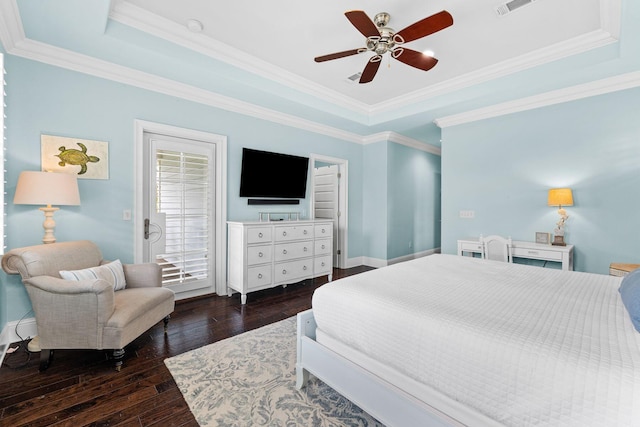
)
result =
(15, 43)
(402, 140)
(131, 15)
(598, 87)
(220, 141)
(18, 330)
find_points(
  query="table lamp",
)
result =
(47, 188)
(560, 197)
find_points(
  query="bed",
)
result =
(450, 340)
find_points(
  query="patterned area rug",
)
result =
(249, 380)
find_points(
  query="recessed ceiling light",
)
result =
(194, 25)
(428, 53)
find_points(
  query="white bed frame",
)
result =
(382, 400)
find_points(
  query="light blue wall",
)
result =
(50, 100)
(413, 201)
(502, 168)
(55, 101)
(374, 221)
(402, 201)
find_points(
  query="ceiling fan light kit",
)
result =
(381, 39)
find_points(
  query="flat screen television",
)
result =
(274, 175)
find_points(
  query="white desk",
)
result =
(529, 250)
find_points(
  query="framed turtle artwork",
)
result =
(83, 157)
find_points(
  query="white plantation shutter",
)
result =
(183, 196)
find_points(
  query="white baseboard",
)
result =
(413, 256)
(378, 263)
(26, 329)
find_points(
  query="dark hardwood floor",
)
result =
(81, 388)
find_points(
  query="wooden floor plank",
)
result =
(81, 388)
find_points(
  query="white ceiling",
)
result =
(283, 36)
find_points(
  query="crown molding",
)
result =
(66, 59)
(133, 16)
(402, 140)
(598, 87)
(140, 19)
(11, 31)
(567, 48)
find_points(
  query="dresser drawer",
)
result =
(322, 247)
(293, 271)
(258, 276)
(258, 235)
(293, 250)
(322, 265)
(293, 232)
(537, 254)
(259, 254)
(323, 230)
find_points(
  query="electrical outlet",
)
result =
(467, 214)
(126, 215)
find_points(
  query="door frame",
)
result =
(343, 201)
(220, 244)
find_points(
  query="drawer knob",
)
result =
(259, 275)
(322, 246)
(322, 264)
(284, 233)
(284, 251)
(304, 268)
(260, 254)
(305, 249)
(323, 231)
(260, 235)
(304, 232)
(284, 271)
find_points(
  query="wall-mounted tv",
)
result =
(266, 174)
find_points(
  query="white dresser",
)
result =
(267, 254)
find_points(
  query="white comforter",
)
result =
(524, 345)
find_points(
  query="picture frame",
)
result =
(543, 238)
(84, 158)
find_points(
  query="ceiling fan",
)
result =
(382, 39)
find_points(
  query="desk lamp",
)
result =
(47, 188)
(560, 197)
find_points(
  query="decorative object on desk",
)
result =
(47, 188)
(543, 238)
(82, 157)
(560, 197)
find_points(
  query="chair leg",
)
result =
(46, 356)
(118, 356)
(166, 322)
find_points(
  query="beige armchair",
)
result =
(88, 313)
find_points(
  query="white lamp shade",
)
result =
(46, 188)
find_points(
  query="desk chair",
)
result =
(496, 248)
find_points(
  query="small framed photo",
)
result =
(543, 238)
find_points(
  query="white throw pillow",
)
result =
(111, 272)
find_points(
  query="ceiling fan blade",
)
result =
(362, 22)
(339, 55)
(371, 69)
(429, 25)
(415, 59)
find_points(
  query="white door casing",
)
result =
(175, 144)
(341, 211)
(326, 190)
